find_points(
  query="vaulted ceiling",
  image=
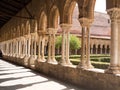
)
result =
(9, 8)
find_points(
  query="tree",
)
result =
(74, 42)
(58, 42)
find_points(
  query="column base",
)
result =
(85, 66)
(26, 58)
(31, 60)
(52, 61)
(40, 60)
(22, 56)
(113, 70)
(64, 63)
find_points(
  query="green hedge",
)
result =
(96, 65)
(98, 61)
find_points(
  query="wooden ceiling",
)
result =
(9, 8)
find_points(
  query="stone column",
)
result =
(68, 48)
(16, 48)
(26, 47)
(101, 50)
(65, 44)
(39, 49)
(7, 48)
(19, 48)
(114, 67)
(11, 48)
(22, 45)
(43, 48)
(85, 55)
(83, 59)
(27, 50)
(33, 50)
(105, 49)
(88, 48)
(63, 62)
(51, 46)
(41, 45)
(35, 43)
(29, 40)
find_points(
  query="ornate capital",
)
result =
(52, 30)
(85, 22)
(114, 13)
(41, 32)
(66, 27)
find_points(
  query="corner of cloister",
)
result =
(25, 41)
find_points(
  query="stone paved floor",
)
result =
(14, 77)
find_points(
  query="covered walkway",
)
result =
(14, 77)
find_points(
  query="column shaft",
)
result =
(53, 47)
(43, 48)
(63, 47)
(39, 49)
(49, 48)
(114, 43)
(83, 47)
(68, 48)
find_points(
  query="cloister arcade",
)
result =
(21, 38)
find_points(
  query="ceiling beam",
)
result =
(6, 11)
(9, 5)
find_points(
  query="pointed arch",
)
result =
(42, 21)
(86, 8)
(27, 29)
(18, 30)
(67, 12)
(22, 30)
(53, 17)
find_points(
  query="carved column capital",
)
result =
(65, 26)
(41, 32)
(114, 13)
(85, 22)
(52, 30)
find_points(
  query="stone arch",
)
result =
(86, 8)
(18, 30)
(99, 49)
(42, 21)
(27, 30)
(33, 26)
(68, 11)
(22, 29)
(94, 49)
(103, 49)
(53, 17)
(108, 49)
(14, 32)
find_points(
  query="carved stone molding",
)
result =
(114, 13)
(66, 27)
(85, 22)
